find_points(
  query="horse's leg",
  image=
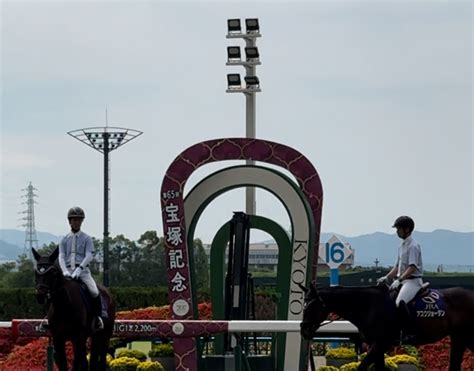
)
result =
(104, 346)
(60, 353)
(80, 354)
(368, 360)
(458, 346)
(95, 353)
(93, 358)
(379, 364)
(375, 356)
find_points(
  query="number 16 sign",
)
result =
(334, 253)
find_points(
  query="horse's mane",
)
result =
(340, 297)
(356, 289)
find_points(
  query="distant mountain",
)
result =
(12, 242)
(8, 251)
(439, 247)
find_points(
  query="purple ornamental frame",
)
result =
(174, 226)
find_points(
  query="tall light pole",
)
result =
(105, 139)
(252, 83)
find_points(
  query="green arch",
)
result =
(197, 210)
(218, 249)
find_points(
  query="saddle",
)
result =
(427, 303)
(87, 299)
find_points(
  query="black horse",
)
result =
(373, 312)
(70, 316)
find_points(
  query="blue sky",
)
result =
(378, 95)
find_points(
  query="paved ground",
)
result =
(318, 362)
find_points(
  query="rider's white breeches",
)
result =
(86, 277)
(409, 289)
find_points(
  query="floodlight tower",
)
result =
(105, 139)
(252, 83)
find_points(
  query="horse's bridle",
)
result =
(41, 271)
(323, 307)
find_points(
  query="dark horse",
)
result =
(69, 317)
(373, 312)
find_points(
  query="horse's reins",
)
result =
(323, 306)
(42, 271)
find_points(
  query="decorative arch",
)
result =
(174, 224)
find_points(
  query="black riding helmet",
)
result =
(404, 222)
(76, 212)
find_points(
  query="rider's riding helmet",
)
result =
(76, 212)
(404, 222)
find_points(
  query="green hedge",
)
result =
(127, 298)
(21, 302)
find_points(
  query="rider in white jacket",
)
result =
(76, 251)
(408, 270)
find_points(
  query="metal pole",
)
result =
(250, 131)
(105, 139)
(106, 210)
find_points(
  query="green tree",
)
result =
(6, 269)
(154, 265)
(47, 249)
(124, 260)
(24, 276)
(201, 265)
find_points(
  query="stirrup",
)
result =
(407, 338)
(97, 324)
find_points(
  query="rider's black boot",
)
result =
(407, 325)
(97, 323)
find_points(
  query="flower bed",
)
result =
(163, 312)
(30, 353)
(435, 357)
(32, 356)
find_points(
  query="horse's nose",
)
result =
(306, 332)
(40, 296)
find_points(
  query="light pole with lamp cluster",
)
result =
(252, 83)
(105, 139)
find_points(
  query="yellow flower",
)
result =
(341, 352)
(150, 366)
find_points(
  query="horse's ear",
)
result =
(54, 255)
(303, 288)
(313, 288)
(35, 254)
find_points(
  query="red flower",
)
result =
(435, 357)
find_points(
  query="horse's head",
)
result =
(314, 312)
(47, 275)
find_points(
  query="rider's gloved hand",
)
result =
(382, 280)
(395, 284)
(76, 273)
(66, 274)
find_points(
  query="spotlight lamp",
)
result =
(233, 26)
(233, 54)
(251, 53)
(252, 82)
(233, 81)
(252, 26)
